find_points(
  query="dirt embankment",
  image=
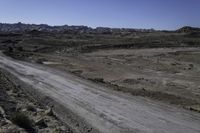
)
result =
(21, 113)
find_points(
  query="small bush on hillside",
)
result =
(22, 121)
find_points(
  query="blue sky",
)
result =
(158, 14)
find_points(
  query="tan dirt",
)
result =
(103, 109)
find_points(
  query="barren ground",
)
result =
(141, 81)
(89, 107)
(167, 74)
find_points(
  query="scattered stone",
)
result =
(89, 130)
(78, 72)
(191, 65)
(143, 89)
(41, 123)
(49, 112)
(63, 128)
(131, 81)
(140, 78)
(2, 112)
(195, 108)
(77, 125)
(19, 112)
(34, 113)
(31, 108)
(24, 110)
(47, 121)
(39, 110)
(14, 129)
(3, 123)
(18, 108)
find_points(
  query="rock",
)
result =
(63, 128)
(35, 113)
(31, 108)
(191, 65)
(47, 120)
(24, 110)
(195, 108)
(8, 121)
(3, 123)
(89, 130)
(2, 112)
(18, 108)
(19, 95)
(49, 112)
(41, 123)
(39, 110)
(14, 129)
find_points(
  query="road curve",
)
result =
(105, 110)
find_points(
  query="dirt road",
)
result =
(105, 110)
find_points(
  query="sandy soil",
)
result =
(166, 74)
(103, 109)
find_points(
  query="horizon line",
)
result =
(94, 27)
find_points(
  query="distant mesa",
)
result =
(188, 29)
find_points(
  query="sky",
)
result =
(157, 14)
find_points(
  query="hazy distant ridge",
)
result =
(20, 27)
